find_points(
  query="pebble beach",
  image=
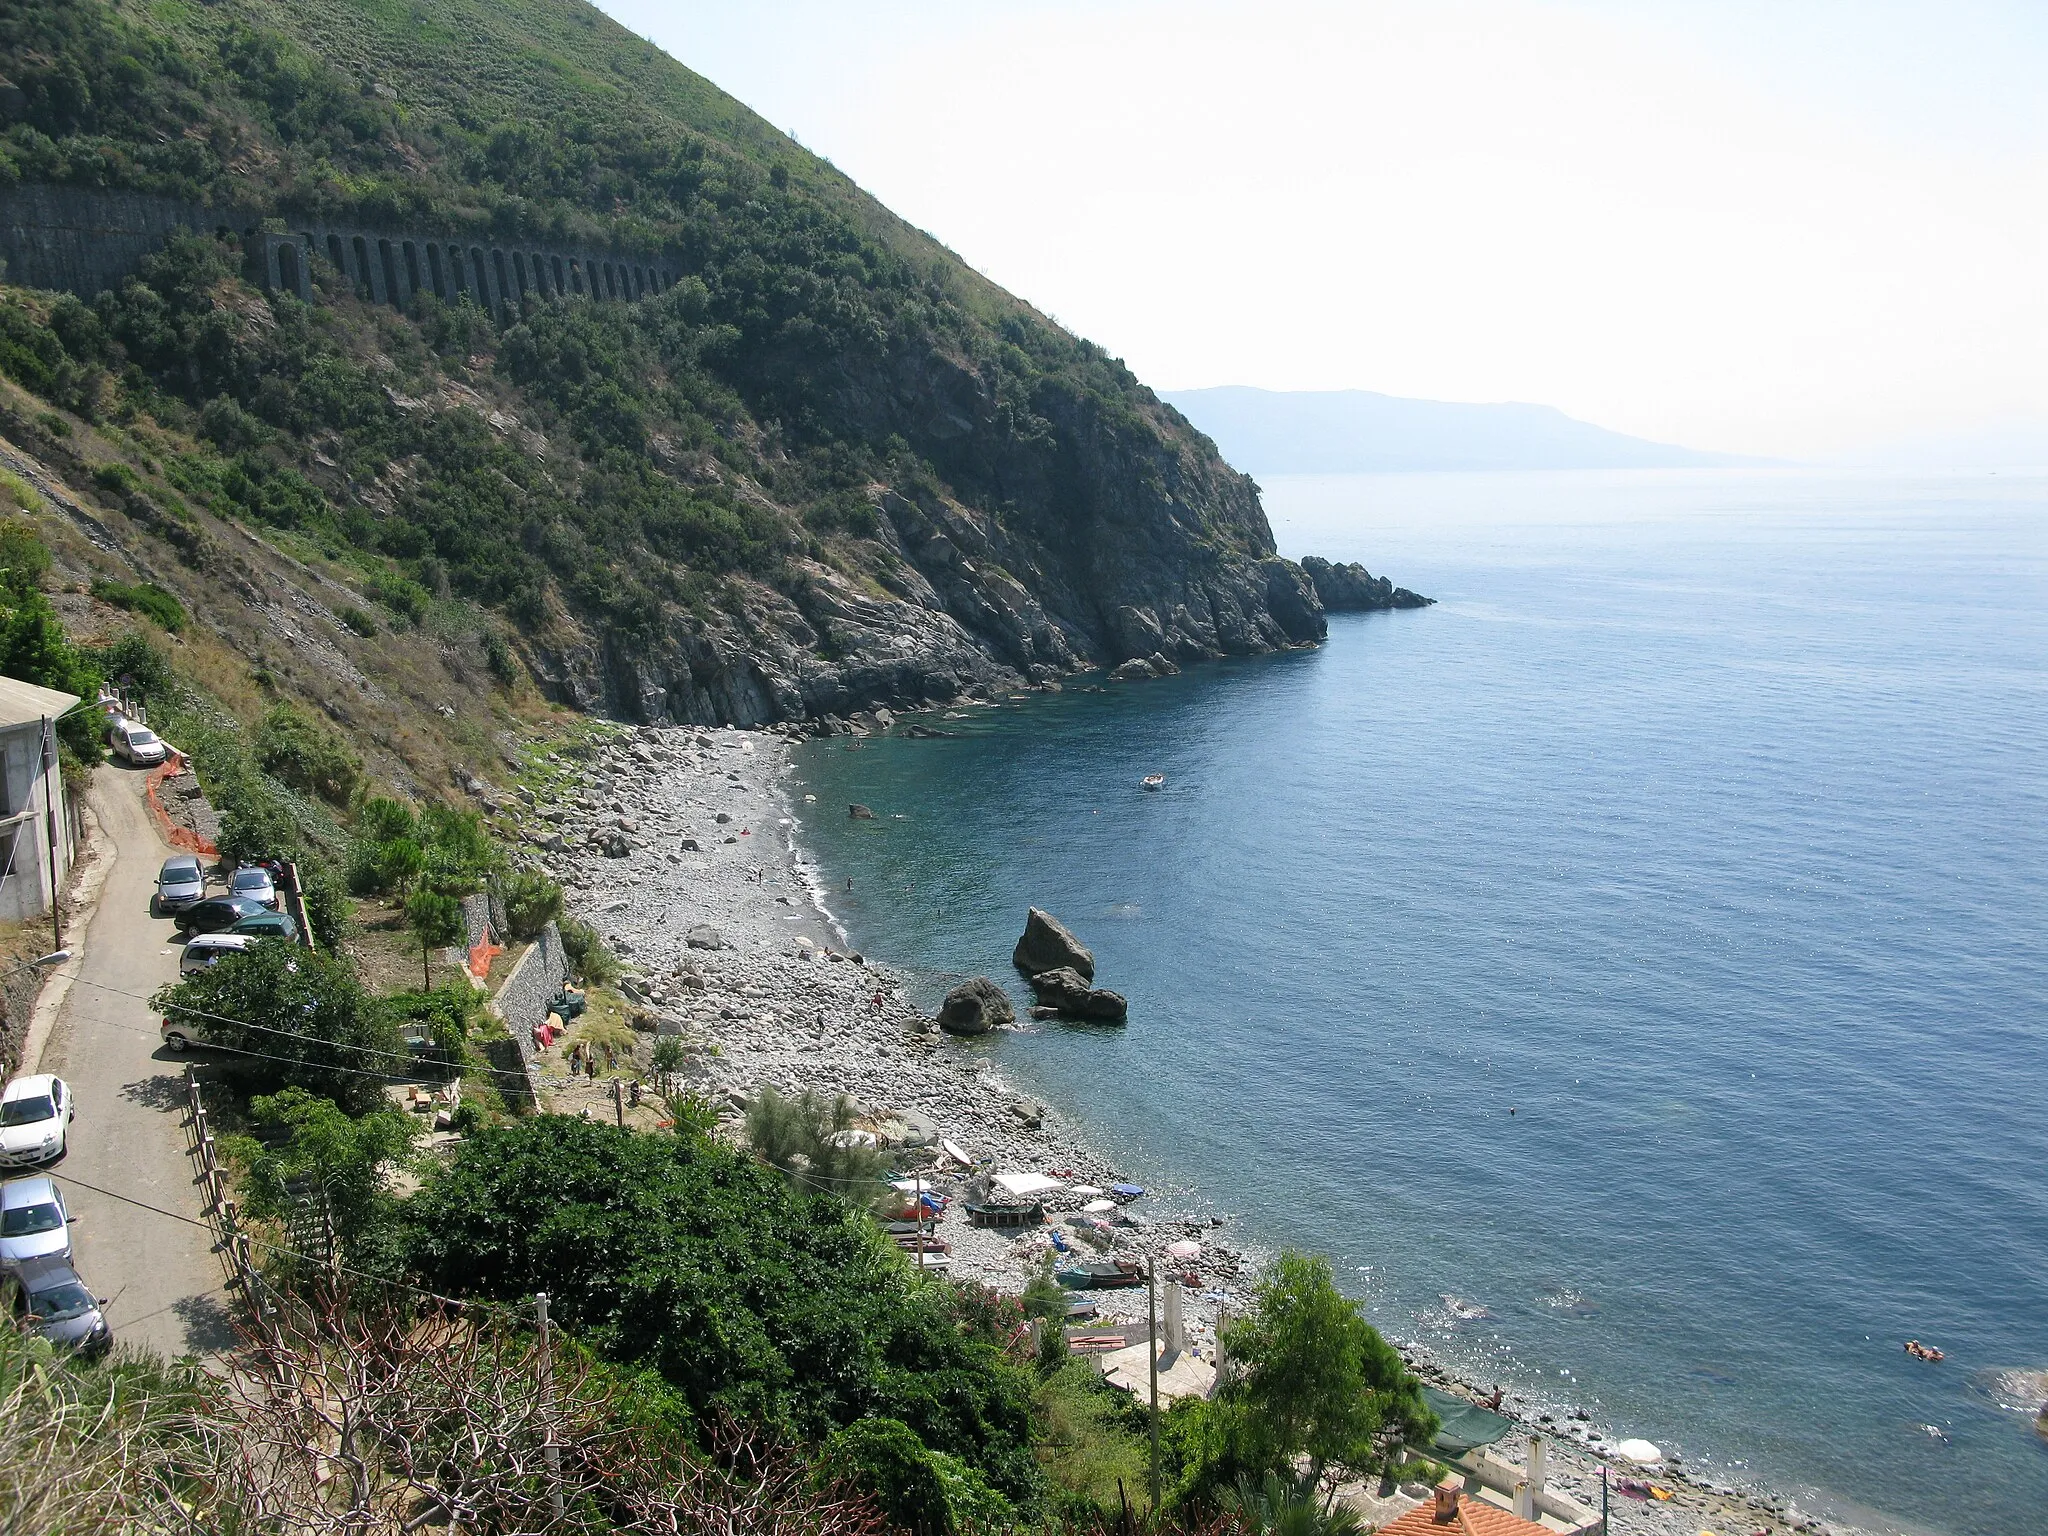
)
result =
(681, 846)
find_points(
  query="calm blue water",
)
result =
(1704, 824)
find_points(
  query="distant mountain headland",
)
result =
(1353, 431)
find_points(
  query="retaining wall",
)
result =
(81, 241)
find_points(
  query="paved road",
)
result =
(161, 1274)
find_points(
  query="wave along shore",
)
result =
(725, 929)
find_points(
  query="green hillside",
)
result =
(831, 466)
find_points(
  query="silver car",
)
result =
(136, 743)
(254, 882)
(179, 883)
(33, 1222)
(203, 950)
(48, 1297)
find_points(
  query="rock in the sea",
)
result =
(1105, 1005)
(1067, 991)
(704, 936)
(860, 813)
(974, 1008)
(1136, 670)
(1048, 945)
(1353, 589)
(1064, 988)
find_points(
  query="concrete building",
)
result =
(31, 800)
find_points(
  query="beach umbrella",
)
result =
(1086, 1189)
(1184, 1250)
(1638, 1451)
(1097, 1206)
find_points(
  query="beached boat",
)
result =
(1154, 781)
(1006, 1215)
(1101, 1275)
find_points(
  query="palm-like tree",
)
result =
(1290, 1506)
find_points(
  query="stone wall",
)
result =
(523, 999)
(81, 241)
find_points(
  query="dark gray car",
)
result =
(179, 883)
(49, 1298)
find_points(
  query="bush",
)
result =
(19, 492)
(303, 1138)
(294, 748)
(806, 1137)
(356, 620)
(145, 598)
(531, 901)
(593, 963)
(885, 1459)
(750, 1298)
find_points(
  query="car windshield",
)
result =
(26, 1220)
(61, 1303)
(250, 880)
(141, 737)
(181, 872)
(26, 1111)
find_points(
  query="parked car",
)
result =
(266, 925)
(253, 881)
(48, 1297)
(33, 1222)
(35, 1113)
(216, 913)
(182, 1034)
(205, 949)
(134, 743)
(179, 883)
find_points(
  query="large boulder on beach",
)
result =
(975, 1007)
(1048, 945)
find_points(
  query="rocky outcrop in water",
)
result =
(1066, 991)
(1353, 589)
(1048, 945)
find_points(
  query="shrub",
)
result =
(19, 492)
(24, 559)
(593, 963)
(145, 598)
(356, 620)
(685, 1257)
(885, 1459)
(294, 748)
(301, 1137)
(531, 901)
(806, 1137)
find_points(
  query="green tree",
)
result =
(301, 1138)
(436, 921)
(298, 1018)
(811, 1138)
(748, 1295)
(1312, 1378)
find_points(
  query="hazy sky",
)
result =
(1782, 228)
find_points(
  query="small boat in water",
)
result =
(1153, 781)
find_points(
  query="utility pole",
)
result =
(50, 818)
(551, 1451)
(1152, 1359)
(619, 1101)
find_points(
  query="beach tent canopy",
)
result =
(1025, 1186)
(1466, 1426)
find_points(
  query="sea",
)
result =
(1632, 971)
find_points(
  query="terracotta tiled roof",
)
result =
(1475, 1517)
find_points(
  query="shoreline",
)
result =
(738, 951)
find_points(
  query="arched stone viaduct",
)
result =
(82, 241)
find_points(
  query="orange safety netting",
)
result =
(177, 836)
(481, 954)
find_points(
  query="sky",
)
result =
(1795, 228)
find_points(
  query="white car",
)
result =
(33, 1222)
(137, 744)
(206, 949)
(35, 1113)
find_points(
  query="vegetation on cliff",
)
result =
(829, 411)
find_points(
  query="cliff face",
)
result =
(817, 463)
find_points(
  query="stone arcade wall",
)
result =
(81, 241)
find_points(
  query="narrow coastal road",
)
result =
(160, 1273)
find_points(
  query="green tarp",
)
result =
(1466, 1426)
